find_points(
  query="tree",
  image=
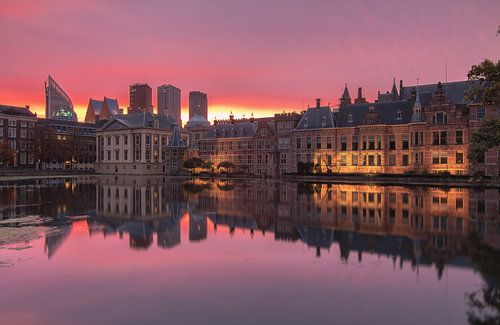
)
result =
(489, 92)
(195, 162)
(484, 138)
(487, 135)
(225, 164)
(7, 154)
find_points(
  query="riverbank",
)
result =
(17, 175)
(400, 180)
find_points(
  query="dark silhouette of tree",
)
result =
(487, 135)
(7, 154)
(195, 162)
(226, 165)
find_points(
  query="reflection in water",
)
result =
(416, 226)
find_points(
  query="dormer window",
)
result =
(440, 118)
(323, 121)
(306, 122)
(156, 124)
(223, 132)
(349, 118)
(399, 115)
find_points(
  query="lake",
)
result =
(158, 250)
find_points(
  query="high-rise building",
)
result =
(198, 104)
(169, 102)
(140, 98)
(58, 105)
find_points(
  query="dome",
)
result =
(197, 120)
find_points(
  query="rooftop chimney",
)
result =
(318, 102)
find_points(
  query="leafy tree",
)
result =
(195, 162)
(484, 138)
(7, 154)
(487, 135)
(486, 71)
(225, 164)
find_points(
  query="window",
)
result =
(306, 122)
(329, 142)
(459, 136)
(283, 158)
(343, 160)
(125, 155)
(308, 142)
(459, 203)
(399, 115)
(318, 142)
(23, 133)
(371, 140)
(117, 140)
(392, 160)
(349, 118)
(444, 137)
(354, 142)
(354, 160)
(405, 142)
(343, 143)
(12, 123)
(323, 121)
(480, 113)
(459, 158)
(125, 139)
(109, 154)
(371, 160)
(406, 161)
(392, 142)
(109, 141)
(439, 158)
(12, 133)
(297, 141)
(117, 154)
(440, 118)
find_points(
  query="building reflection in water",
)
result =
(421, 225)
(418, 225)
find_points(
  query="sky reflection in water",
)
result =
(154, 250)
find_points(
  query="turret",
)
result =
(346, 98)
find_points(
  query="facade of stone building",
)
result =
(134, 144)
(72, 145)
(17, 130)
(417, 130)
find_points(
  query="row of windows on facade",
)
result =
(236, 145)
(73, 129)
(376, 160)
(12, 133)
(118, 156)
(23, 124)
(123, 139)
(372, 142)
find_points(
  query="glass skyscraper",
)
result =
(58, 105)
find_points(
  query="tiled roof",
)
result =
(16, 110)
(231, 130)
(354, 114)
(317, 118)
(455, 91)
(143, 120)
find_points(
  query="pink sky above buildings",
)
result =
(249, 56)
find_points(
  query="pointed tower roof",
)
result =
(417, 109)
(346, 95)
(176, 140)
(394, 91)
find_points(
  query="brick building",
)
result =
(17, 130)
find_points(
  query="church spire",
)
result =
(417, 108)
(346, 98)
(394, 91)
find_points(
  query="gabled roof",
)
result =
(112, 104)
(387, 113)
(176, 140)
(16, 110)
(231, 130)
(95, 105)
(142, 120)
(316, 118)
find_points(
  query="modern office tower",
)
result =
(198, 104)
(58, 105)
(140, 98)
(169, 102)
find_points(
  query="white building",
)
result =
(134, 144)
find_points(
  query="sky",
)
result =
(258, 56)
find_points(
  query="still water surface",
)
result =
(153, 250)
